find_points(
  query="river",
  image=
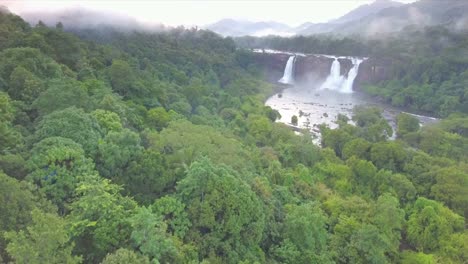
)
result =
(315, 106)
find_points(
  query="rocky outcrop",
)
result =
(373, 71)
(312, 68)
(346, 65)
(273, 64)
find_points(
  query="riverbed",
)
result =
(315, 106)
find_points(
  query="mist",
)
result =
(83, 18)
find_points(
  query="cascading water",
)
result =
(334, 80)
(288, 75)
(352, 74)
(337, 82)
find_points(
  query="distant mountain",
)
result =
(366, 10)
(354, 15)
(452, 14)
(4, 9)
(231, 27)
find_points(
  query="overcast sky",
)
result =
(202, 12)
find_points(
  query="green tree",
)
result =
(98, 218)
(150, 237)
(305, 228)
(430, 223)
(451, 188)
(294, 120)
(107, 120)
(116, 152)
(388, 155)
(357, 147)
(56, 165)
(406, 124)
(125, 256)
(173, 212)
(389, 217)
(72, 123)
(158, 118)
(24, 85)
(410, 257)
(16, 204)
(121, 77)
(44, 241)
(10, 138)
(61, 94)
(227, 217)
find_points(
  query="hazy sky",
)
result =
(201, 12)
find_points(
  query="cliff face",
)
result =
(316, 68)
(312, 68)
(373, 71)
(273, 64)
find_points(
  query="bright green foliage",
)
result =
(184, 142)
(149, 236)
(45, 240)
(227, 217)
(108, 121)
(174, 214)
(410, 257)
(72, 123)
(455, 248)
(452, 188)
(260, 128)
(9, 137)
(406, 124)
(125, 256)
(158, 118)
(430, 223)
(98, 217)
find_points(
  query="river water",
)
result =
(315, 106)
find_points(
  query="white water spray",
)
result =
(334, 80)
(352, 74)
(288, 75)
(337, 82)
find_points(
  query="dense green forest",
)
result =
(157, 148)
(428, 69)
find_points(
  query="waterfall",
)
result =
(288, 75)
(336, 82)
(353, 72)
